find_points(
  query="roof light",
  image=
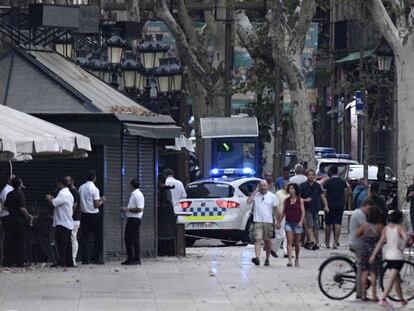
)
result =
(336, 156)
(246, 171)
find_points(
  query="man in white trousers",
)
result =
(76, 219)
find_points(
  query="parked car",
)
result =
(219, 206)
(353, 173)
(342, 161)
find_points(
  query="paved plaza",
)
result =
(209, 278)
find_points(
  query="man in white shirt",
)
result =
(264, 211)
(178, 191)
(5, 221)
(133, 212)
(62, 221)
(299, 177)
(90, 201)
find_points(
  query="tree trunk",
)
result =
(405, 82)
(302, 123)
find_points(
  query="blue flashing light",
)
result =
(337, 156)
(214, 172)
(246, 171)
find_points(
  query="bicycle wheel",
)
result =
(407, 281)
(337, 277)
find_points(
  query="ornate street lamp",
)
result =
(132, 77)
(169, 75)
(64, 45)
(115, 46)
(152, 51)
(384, 60)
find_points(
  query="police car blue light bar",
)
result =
(218, 172)
(345, 156)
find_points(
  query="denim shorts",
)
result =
(295, 228)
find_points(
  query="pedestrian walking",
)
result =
(355, 242)
(91, 201)
(77, 214)
(280, 236)
(313, 195)
(394, 237)
(133, 212)
(294, 211)
(360, 193)
(379, 201)
(410, 199)
(336, 193)
(268, 176)
(19, 218)
(284, 178)
(299, 177)
(166, 220)
(62, 221)
(5, 221)
(370, 232)
(264, 211)
(177, 188)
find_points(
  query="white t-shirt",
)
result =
(263, 207)
(178, 192)
(136, 200)
(3, 196)
(63, 203)
(88, 194)
(298, 179)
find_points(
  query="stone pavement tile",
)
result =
(137, 305)
(215, 306)
(98, 304)
(20, 305)
(176, 305)
(59, 304)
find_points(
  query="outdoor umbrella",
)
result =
(23, 137)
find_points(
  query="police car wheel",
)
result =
(229, 243)
(189, 242)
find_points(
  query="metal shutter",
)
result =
(112, 225)
(147, 179)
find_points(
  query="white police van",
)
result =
(219, 206)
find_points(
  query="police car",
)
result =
(219, 208)
(325, 161)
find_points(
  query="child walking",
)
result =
(395, 238)
(371, 233)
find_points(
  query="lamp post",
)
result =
(132, 77)
(384, 60)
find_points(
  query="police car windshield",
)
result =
(324, 167)
(209, 190)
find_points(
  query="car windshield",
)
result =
(324, 167)
(357, 172)
(209, 190)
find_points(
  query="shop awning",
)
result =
(23, 136)
(352, 57)
(229, 127)
(156, 131)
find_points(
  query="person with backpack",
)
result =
(360, 193)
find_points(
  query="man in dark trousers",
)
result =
(19, 218)
(133, 212)
(91, 201)
(336, 193)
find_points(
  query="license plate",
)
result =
(200, 225)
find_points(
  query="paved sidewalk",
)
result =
(215, 278)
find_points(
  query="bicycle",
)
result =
(337, 278)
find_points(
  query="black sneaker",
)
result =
(126, 262)
(256, 261)
(98, 262)
(315, 247)
(266, 263)
(274, 254)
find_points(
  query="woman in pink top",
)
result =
(294, 211)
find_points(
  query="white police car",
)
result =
(324, 162)
(219, 208)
